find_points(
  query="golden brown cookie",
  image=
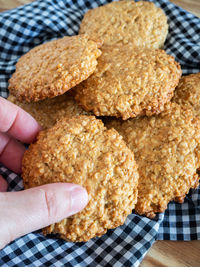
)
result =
(129, 81)
(53, 68)
(81, 150)
(188, 92)
(167, 151)
(123, 22)
(48, 111)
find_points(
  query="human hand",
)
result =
(29, 210)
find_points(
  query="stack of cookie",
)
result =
(148, 153)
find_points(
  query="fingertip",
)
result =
(79, 199)
(12, 155)
(25, 128)
(17, 122)
(63, 200)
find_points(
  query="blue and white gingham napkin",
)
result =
(25, 27)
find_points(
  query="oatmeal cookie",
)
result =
(122, 22)
(167, 151)
(48, 111)
(81, 150)
(53, 68)
(129, 81)
(188, 92)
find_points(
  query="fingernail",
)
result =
(79, 199)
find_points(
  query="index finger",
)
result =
(17, 122)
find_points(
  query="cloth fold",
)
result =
(27, 26)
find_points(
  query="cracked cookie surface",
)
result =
(129, 81)
(122, 22)
(188, 92)
(81, 150)
(167, 151)
(48, 111)
(53, 68)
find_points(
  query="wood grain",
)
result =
(173, 254)
(162, 253)
(192, 6)
(9, 4)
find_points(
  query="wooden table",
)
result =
(162, 253)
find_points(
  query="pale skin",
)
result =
(29, 210)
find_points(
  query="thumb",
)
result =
(29, 210)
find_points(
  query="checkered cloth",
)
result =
(33, 24)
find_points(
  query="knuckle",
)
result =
(50, 205)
